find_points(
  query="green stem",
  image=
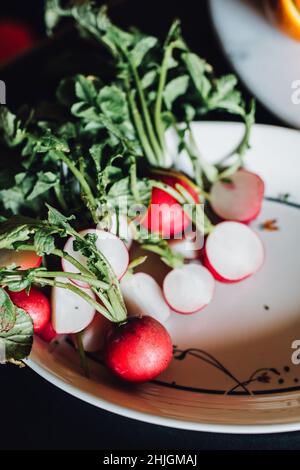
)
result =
(62, 254)
(155, 145)
(133, 180)
(60, 197)
(139, 126)
(82, 355)
(76, 290)
(159, 97)
(198, 216)
(168, 189)
(88, 195)
(78, 277)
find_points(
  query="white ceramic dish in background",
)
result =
(266, 60)
(232, 368)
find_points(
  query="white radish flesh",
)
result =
(112, 248)
(143, 296)
(70, 312)
(189, 288)
(94, 336)
(240, 198)
(233, 251)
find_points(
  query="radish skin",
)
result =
(143, 296)
(165, 215)
(233, 252)
(111, 246)
(138, 350)
(47, 333)
(188, 289)
(36, 304)
(240, 199)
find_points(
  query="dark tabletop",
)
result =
(34, 413)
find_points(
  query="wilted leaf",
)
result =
(7, 312)
(16, 343)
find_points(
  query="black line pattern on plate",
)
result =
(262, 375)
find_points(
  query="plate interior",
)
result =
(232, 362)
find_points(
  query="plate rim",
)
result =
(284, 117)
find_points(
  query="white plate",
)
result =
(249, 326)
(266, 60)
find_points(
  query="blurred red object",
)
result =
(15, 37)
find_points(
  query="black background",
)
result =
(34, 413)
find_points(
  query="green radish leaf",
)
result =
(197, 69)
(12, 128)
(113, 104)
(148, 79)
(15, 234)
(174, 89)
(44, 243)
(141, 49)
(85, 89)
(57, 219)
(46, 180)
(16, 343)
(7, 312)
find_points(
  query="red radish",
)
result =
(233, 252)
(239, 199)
(94, 336)
(111, 246)
(138, 350)
(189, 246)
(70, 312)
(14, 38)
(22, 259)
(36, 304)
(165, 215)
(47, 333)
(188, 289)
(143, 296)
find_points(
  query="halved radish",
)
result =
(94, 336)
(240, 198)
(165, 215)
(233, 252)
(111, 246)
(121, 229)
(143, 296)
(22, 259)
(188, 289)
(70, 312)
(188, 246)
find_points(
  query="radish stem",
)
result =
(82, 355)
